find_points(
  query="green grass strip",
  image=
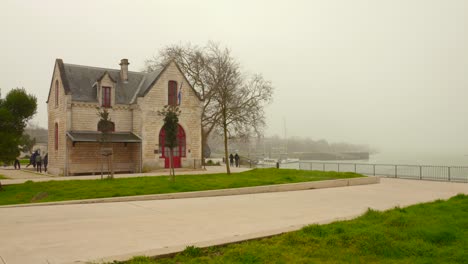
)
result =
(51, 191)
(434, 232)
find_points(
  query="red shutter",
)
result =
(172, 93)
(106, 96)
(56, 93)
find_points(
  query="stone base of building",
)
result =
(94, 158)
(159, 163)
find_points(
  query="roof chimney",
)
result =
(124, 69)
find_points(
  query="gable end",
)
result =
(183, 75)
(63, 77)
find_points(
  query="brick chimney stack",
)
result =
(124, 69)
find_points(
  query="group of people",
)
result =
(37, 161)
(233, 158)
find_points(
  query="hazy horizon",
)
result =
(389, 74)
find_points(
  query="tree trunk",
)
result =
(226, 152)
(171, 165)
(112, 161)
(203, 147)
(108, 167)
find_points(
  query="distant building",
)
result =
(41, 136)
(133, 100)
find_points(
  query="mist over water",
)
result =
(428, 158)
(411, 158)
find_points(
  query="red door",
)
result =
(178, 152)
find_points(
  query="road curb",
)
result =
(220, 192)
(173, 250)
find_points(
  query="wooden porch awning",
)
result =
(96, 136)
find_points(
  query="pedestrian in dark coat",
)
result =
(38, 163)
(231, 159)
(32, 160)
(237, 158)
(17, 164)
(45, 162)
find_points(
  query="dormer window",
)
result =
(106, 96)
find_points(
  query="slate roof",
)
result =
(95, 136)
(81, 80)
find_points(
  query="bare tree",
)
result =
(233, 105)
(240, 102)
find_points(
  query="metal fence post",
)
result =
(449, 174)
(374, 169)
(420, 172)
(355, 171)
(396, 171)
(323, 166)
(338, 167)
(310, 165)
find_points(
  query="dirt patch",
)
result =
(39, 197)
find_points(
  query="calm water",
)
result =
(420, 159)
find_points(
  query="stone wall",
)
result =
(57, 114)
(85, 117)
(85, 157)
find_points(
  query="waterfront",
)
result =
(410, 158)
(422, 167)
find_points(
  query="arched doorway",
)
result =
(179, 151)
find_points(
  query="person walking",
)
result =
(46, 161)
(231, 159)
(32, 160)
(237, 158)
(38, 163)
(17, 164)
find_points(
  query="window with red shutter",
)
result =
(106, 96)
(56, 93)
(172, 93)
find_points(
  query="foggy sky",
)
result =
(392, 74)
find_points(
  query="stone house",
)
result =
(133, 100)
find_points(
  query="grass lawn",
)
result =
(86, 189)
(434, 232)
(24, 161)
(3, 177)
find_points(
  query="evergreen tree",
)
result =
(16, 109)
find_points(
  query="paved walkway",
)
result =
(69, 233)
(11, 173)
(21, 176)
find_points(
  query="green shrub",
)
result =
(192, 251)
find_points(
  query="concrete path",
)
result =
(11, 173)
(21, 176)
(70, 233)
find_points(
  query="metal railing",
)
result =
(419, 172)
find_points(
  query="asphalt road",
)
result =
(86, 232)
